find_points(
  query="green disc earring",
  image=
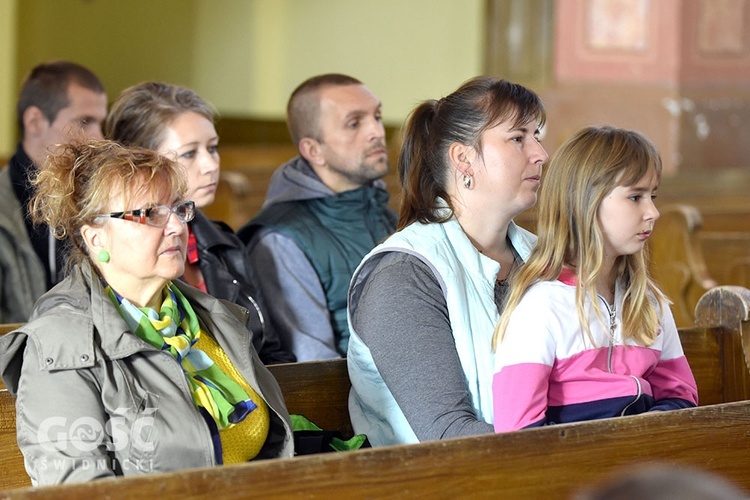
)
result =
(103, 256)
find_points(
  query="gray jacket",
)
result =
(286, 277)
(22, 276)
(93, 400)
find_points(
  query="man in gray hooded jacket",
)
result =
(324, 210)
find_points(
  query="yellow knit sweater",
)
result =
(240, 442)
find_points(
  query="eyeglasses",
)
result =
(158, 215)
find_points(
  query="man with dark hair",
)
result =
(60, 102)
(324, 211)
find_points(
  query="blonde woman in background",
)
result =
(176, 122)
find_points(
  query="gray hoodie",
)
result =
(298, 307)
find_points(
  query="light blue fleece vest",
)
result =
(467, 279)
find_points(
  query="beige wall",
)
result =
(245, 56)
(123, 42)
(405, 50)
(7, 76)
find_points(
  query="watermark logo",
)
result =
(98, 464)
(86, 434)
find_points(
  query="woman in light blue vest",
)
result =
(424, 304)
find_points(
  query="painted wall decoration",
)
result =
(617, 24)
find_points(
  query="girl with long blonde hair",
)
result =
(585, 332)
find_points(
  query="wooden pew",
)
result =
(739, 269)
(720, 195)
(727, 254)
(677, 262)
(687, 261)
(717, 348)
(547, 462)
(13, 473)
(9, 327)
(237, 199)
(256, 157)
(717, 193)
(245, 173)
(726, 218)
(725, 312)
(318, 390)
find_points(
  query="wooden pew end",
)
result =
(725, 306)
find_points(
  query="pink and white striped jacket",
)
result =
(547, 371)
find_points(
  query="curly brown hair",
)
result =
(81, 181)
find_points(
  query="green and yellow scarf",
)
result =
(176, 329)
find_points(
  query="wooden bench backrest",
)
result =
(237, 200)
(717, 350)
(9, 327)
(728, 308)
(704, 350)
(710, 188)
(546, 462)
(319, 390)
(12, 471)
(726, 251)
(677, 262)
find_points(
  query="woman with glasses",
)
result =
(124, 369)
(176, 122)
